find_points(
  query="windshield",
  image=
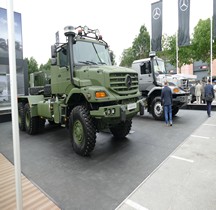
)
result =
(91, 53)
(159, 67)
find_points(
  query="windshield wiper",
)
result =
(88, 62)
(102, 63)
(92, 62)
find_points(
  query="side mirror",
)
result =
(53, 51)
(53, 61)
(112, 57)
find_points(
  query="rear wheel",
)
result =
(41, 125)
(21, 116)
(51, 122)
(33, 125)
(157, 109)
(121, 130)
(82, 131)
(30, 122)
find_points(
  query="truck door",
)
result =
(145, 75)
(60, 74)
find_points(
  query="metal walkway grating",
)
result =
(33, 198)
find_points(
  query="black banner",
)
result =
(156, 20)
(214, 19)
(183, 22)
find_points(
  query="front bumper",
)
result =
(119, 111)
(180, 100)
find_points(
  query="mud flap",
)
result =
(141, 108)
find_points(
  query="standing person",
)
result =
(209, 96)
(214, 87)
(166, 99)
(203, 92)
(198, 92)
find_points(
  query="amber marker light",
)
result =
(80, 32)
(175, 90)
(100, 94)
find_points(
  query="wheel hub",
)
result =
(158, 109)
(78, 132)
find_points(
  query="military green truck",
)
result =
(86, 93)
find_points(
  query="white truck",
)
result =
(152, 74)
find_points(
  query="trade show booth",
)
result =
(21, 67)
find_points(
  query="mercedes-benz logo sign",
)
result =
(128, 81)
(183, 5)
(156, 13)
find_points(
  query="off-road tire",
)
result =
(121, 130)
(51, 122)
(157, 109)
(21, 116)
(31, 123)
(41, 125)
(82, 130)
(175, 111)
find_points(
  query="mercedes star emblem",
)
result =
(128, 81)
(156, 13)
(183, 5)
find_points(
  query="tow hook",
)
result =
(123, 113)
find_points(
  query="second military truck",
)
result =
(86, 93)
(152, 75)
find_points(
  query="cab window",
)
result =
(145, 68)
(63, 58)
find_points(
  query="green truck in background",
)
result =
(86, 93)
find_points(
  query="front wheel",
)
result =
(121, 130)
(175, 111)
(82, 131)
(157, 109)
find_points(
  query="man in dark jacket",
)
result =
(209, 96)
(166, 99)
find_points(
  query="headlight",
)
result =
(176, 90)
(100, 94)
(109, 112)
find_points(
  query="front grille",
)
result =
(118, 83)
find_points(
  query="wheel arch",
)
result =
(32, 101)
(151, 96)
(76, 99)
